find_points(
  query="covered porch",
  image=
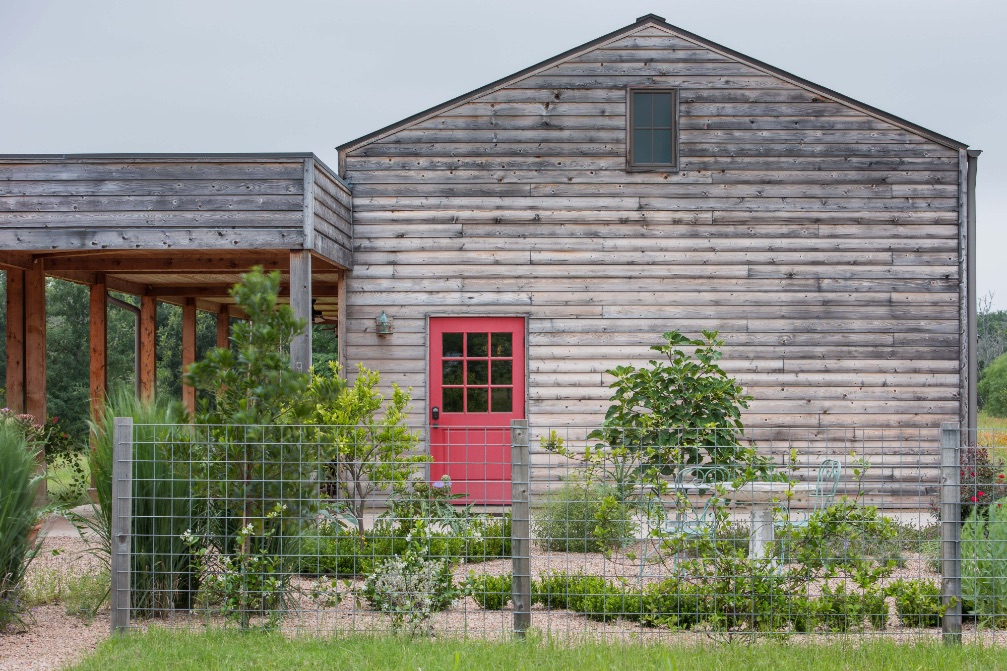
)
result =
(179, 229)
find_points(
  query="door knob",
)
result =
(435, 413)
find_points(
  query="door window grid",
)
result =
(477, 372)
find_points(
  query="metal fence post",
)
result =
(520, 527)
(122, 500)
(951, 528)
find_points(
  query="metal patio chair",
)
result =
(687, 521)
(824, 494)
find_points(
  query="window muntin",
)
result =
(653, 129)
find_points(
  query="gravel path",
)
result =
(53, 638)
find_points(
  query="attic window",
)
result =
(653, 129)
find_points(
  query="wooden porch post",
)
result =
(15, 340)
(99, 345)
(188, 351)
(224, 326)
(300, 301)
(34, 340)
(148, 347)
(341, 323)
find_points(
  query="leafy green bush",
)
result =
(492, 592)
(333, 550)
(918, 602)
(685, 410)
(18, 487)
(993, 387)
(984, 561)
(582, 518)
(842, 610)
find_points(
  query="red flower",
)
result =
(982, 493)
(973, 499)
(1001, 476)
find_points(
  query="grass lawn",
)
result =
(59, 484)
(232, 650)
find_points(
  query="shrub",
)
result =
(164, 505)
(918, 602)
(490, 591)
(685, 410)
(333, 550)
(581, 518)
(993, 387)
(842, 610)
(984, 561)
(488, 538)
(18, 487)
(409, 589)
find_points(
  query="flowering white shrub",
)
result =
(409, 588)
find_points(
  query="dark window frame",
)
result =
(631, 164)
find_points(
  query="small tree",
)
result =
(250, 392)
(685, 410)
(369, 452)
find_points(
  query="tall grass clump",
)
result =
(165, 474)
(18, 486)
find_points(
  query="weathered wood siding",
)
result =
(156, 202)
(820, 241)
(332, 212)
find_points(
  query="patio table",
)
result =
(762, 496)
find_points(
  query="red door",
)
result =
(477, 386)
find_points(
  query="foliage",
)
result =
(918, 602)
(993, 387)
(982, 479)
(492, 592)
(251, 582)
(686, 410)
(253, 458)
(367, 451)
(583, 518)
(841, 609)
(163, 501)
(416, 499)
(251, 382)
(412, 586)
(18, 487)
(984, 562)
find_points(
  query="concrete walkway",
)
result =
(57, 526)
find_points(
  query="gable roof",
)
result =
(642, 22)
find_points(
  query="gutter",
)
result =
(973, 339)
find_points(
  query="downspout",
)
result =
(136, 338)
(973, 344)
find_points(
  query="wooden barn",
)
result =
(497, 253)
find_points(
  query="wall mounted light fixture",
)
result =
(383, 325)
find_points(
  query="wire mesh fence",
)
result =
(577, 532)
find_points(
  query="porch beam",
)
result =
(300, 301)
(179, 264)
(188, 352)
(148, 347)
(15, 340)
(99, 346)
(224, 326)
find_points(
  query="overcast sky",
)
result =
(286, 75)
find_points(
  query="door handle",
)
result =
(435, 413)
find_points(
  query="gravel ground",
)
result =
(55, 639)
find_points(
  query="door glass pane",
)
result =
(477, 398)
(451, 344)
(478, 343)
(451, 372)
(662, 146)
(662, 110)
(641, 109)
(453, 400)
(478, 372)
(642, 152)
(503, 400)
(502, 372)
(502, 344)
